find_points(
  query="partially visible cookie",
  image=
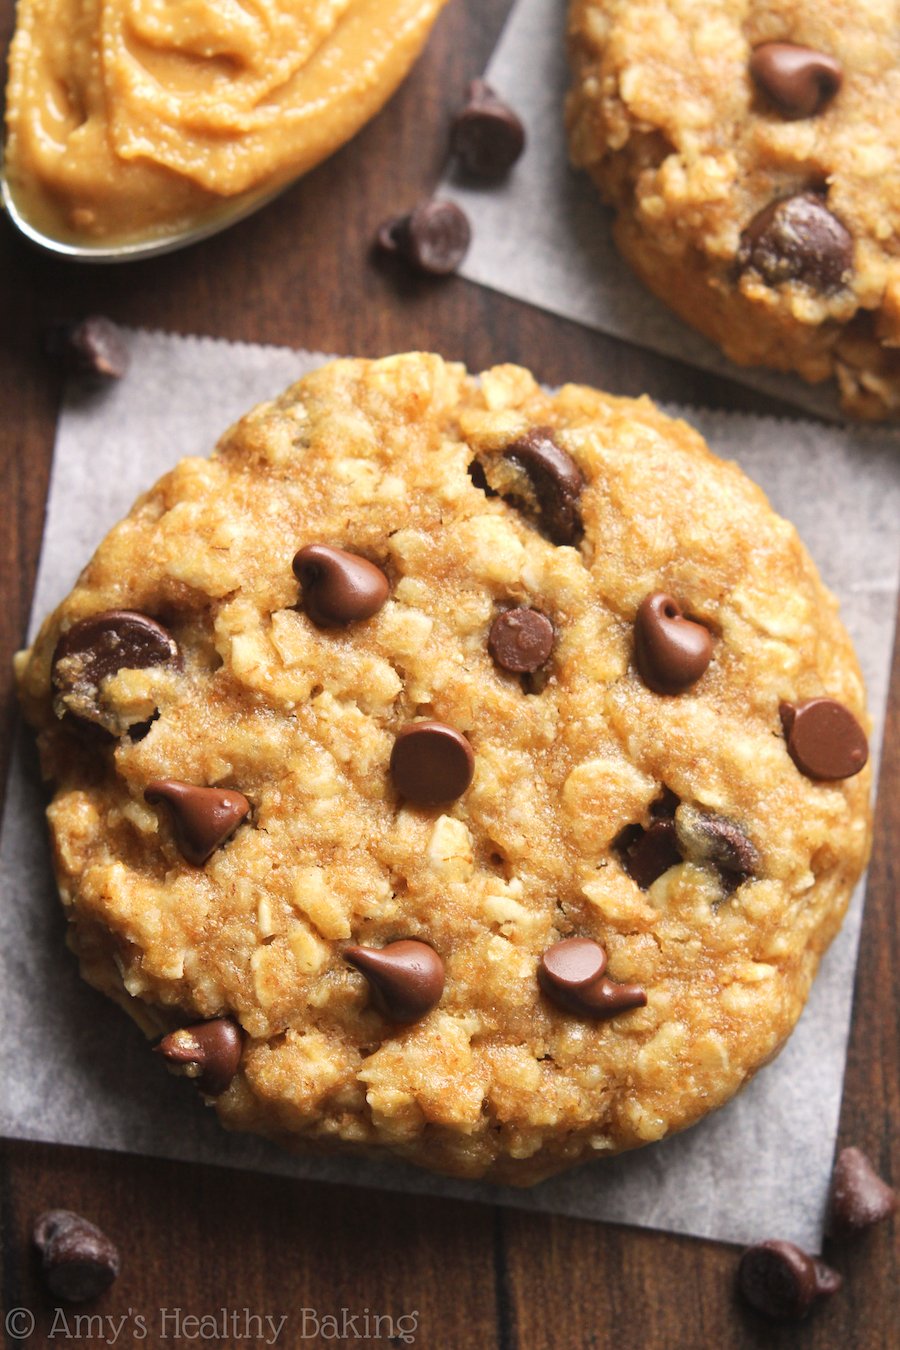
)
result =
(454, 769)
(749, 152)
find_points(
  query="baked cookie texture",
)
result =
(692, 125)
(573, 766)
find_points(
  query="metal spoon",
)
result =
(231, 211)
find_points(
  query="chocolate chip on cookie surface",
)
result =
(339, 875)
(799, 81)
(748, 153)
(208, 1052)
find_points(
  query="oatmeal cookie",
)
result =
(748, 150)
(454, 769)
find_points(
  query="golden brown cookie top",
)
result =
(343, 795)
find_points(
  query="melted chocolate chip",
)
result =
(708, 838)
(97, 647)
(202, 817)
(646, 854)
(479, 478)
(798, 239)
(799, 81)
(670, 652)
(339, 587)
(94, 348)
(486, 137)
(521, 640)
(78, 1260)
(782, 1281)
(434, 238)
(211, 1051)
(556, 482)
(859, 1198)
(665, 805)
(824, 739)
(431, 763)
(406, 978)
(571, 974)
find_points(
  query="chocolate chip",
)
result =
(783, 1281)
(670, 652)
(96, 648)
(798, 239)
(339, 587)
(824, 739)
(606, 998)
(708, 838)
(431, 763)
(646, 853)
(93, 347)
(209, 1051)
(202, 817)
(479, 478)
(571, 974)
(555, 480)
(571, 964)
(406, 978)
(78, 1261)
(799, 81)
(434, 238)
(665, 805)
(521, 640)
(859, 1198)
(486, 137)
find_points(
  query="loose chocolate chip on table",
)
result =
(406, 978)
(338, 587)
(798, 80)
(705, 837)
(521, 640)
(486, 137)
(211, 1050)
(798, 239)
(431, 763)
(646, 853)
(78, 1261)
(92, 347)
(434, 238)
(670, 652)
(859, 1198)
(555, 480)
(824, 739)
(783, 1281)
(571, 974)
(202, 817)
(99, 646)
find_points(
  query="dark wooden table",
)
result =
(200, 1239)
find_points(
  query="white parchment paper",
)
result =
(74, 1070)
(544, 235)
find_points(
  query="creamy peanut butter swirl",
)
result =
(132, 118)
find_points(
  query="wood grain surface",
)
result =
(202, 1239)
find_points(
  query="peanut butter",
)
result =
(133, 119)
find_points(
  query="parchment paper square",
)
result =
(73, 1068)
